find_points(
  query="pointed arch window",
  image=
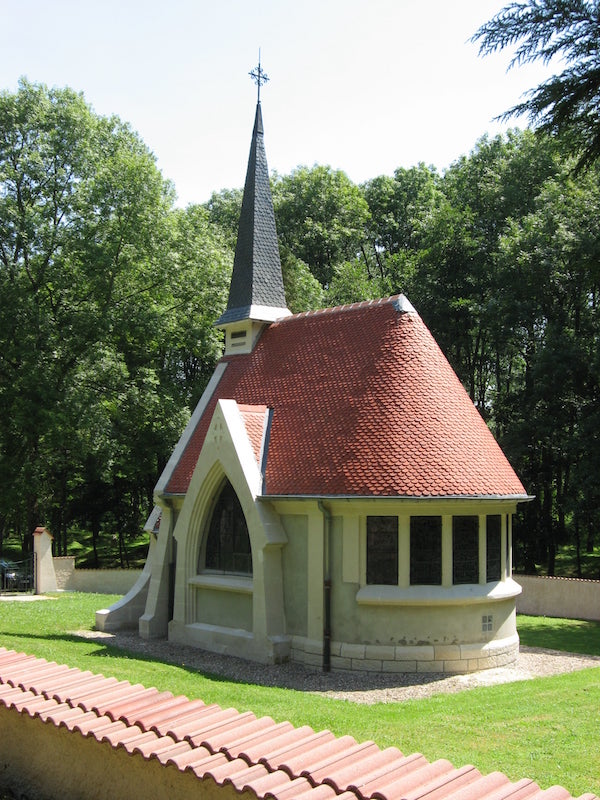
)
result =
(228, 542)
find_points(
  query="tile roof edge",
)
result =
(163, 482)
(518, 498)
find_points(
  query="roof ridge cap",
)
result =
(252, 408)
(399, 301)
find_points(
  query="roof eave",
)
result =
(507, 498)
(409, 498)
(256, 313)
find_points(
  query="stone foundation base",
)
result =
(449, 658)
(232, 642)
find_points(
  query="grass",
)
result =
(81, 547)
(566, 564)
(571, 635)
(545, 729)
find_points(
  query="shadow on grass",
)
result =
(104, 649)
(232, 669)
(229, 669)
(221, 669)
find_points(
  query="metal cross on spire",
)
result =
(259, 76)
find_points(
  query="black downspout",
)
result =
(326, 587)
(327, 628)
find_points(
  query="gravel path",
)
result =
(357, 687)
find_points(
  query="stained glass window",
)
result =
(382, 550)
(426, 550)
(228, 543)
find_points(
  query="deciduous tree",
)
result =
(105, 313)
(321, 217)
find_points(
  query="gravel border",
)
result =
(356, 687)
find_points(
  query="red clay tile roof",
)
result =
(364, 403)
(255, 421)
(252, 754)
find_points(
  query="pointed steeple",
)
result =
(256, 293)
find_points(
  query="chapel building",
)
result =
(336, 498)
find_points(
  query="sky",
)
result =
(364, 86)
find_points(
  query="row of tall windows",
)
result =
(228, 548)
(426, 550)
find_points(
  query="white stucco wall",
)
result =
(45, 577)
(102, 581)
(572, 598)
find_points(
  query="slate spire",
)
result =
(256, 290)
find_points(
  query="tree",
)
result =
(196, 294)
(303, 292)
(224, 210)
(455, 283)
(84, 258)
(567, 103)
(398, 206)
(551, 407)
(351, 282)
(321, 217)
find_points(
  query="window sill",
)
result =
(223, 583)
(464, 594)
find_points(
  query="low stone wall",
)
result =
(64, 567)
(102, 581)
(571, 598)
(450, 658)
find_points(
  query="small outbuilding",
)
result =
(336, 498)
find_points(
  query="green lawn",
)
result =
(546, 729)
(571, 635)
(567, 566)
(81, 547)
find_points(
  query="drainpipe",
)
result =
(326, 586)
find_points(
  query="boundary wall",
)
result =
(571, 598)
(68, 733)
(58, 574)
(102, 581)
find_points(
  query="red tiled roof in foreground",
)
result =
(364, 403)
(249, 753)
